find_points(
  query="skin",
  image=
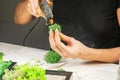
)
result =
(26, 10)
(118, 15)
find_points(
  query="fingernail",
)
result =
(56, 30)
(50, 31)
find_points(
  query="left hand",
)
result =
(72, 49)
(34, 7)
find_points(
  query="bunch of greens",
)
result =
(25, 72)
(52, 56)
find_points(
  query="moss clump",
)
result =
(1, 56)
(54, 27)
(62, 70)
(25, 72)
(4, 65)
(52, 57)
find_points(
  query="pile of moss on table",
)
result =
(25, 72)
(52, 56)
(1, 56)
(4, 65)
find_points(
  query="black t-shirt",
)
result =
(93, 22)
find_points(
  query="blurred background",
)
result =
(15, 34)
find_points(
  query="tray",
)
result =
(65, 75)
(51, 74)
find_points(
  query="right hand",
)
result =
(34, 7)
(72, 47)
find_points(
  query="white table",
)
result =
(82, 70)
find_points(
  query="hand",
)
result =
(50, 2)
(34, 7)
(73, 48)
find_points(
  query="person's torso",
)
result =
(88, 20)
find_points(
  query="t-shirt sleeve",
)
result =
(118, 3)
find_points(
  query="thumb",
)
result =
(65, 38)
(50, 3)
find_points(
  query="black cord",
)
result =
(30, 31)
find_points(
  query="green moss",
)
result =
(52, 57)
(1, 56)
(4, 65)
(54, 27)
(13, 75)
(62, 70)
(25, 72)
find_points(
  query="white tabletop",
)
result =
(82, 70)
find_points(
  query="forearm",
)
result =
(103, 55)
(118, 15)
(22, 15)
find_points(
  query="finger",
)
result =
(39, 12)
(66, 49)
(32, 6)
(52, 43)
(49, 2)
(58, 42)
(51, 39)
(65, 38)
(31, 11)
